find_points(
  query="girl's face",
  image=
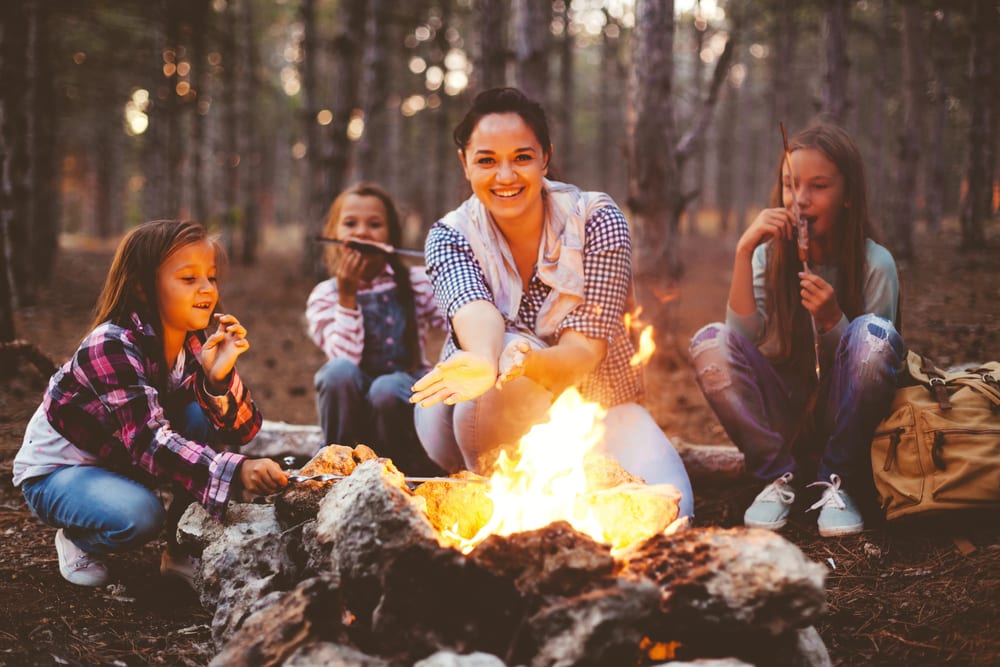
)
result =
(363, 217)
(186, 289)
(505, 164)
(819, 190)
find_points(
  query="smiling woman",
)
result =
(533, 276)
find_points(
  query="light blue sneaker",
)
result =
(838, 515)
(771, 506)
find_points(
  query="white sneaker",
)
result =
(838, 515)
(771, 506)
(182, 567)
(78, 566)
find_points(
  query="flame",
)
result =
(646, 347)
(545, 481)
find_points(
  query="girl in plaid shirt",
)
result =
(533, 276)
(151, 395)
(370, 318)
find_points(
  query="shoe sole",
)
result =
(841, 532)
(767, 526)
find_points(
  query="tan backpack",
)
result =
(939, 448)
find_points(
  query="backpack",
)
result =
(939, 448)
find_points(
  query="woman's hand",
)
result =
(819, 298)
(462, 377)
(262, 477)
(771, 223)
(512, 361)
(219, 353)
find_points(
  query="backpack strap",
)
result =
(936, 382)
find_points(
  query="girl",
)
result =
(370, 318)
(533, 275)
(758, 371)
(149, 396)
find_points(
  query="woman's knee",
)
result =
(710, 357)
(337, 373)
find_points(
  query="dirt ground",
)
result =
(919, 595)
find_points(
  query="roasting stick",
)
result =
(802, 227)
(371, 247)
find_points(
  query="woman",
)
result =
(533, 277)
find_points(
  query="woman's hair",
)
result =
(504, 100)
(401, 274)
(131, 282)
(788, 324)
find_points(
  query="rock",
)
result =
(300, 501)
(328, 654)
(450, 659)
(367, 520)
(457, 509)
(311, 612)
(276, 439)
(602, 627)
(731, 580)
(435, 599)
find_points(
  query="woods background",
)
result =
(250, 114)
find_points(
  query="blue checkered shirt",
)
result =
(607, 267)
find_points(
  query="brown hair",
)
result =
(788, 323)
(401, 274)
(131, 282)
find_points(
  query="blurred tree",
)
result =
(567, 86)
(532, 40)
(834, 102)
(939, 56)
(251, 149)
(903, 215)
(492, 64)
(609, 151)
(977, 209)
(372, 149)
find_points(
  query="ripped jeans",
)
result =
(761, 407)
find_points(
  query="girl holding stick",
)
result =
(758, 371)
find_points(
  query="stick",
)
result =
(802, 227)
(371, 247)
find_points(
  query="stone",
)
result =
(452, 659)
(299, 501)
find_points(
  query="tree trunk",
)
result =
(877, 172)
(45, 160)
(492, 63)
(233, 104)
(375, 90)
(200, 82)
(784, 37)
(935, 174)
(17, 86)
(654, 183)
(835, 102)
(609, 151)
(155, 138)
(901, 229)
(977, 210)
(8, 22)
(251, 145)
(566, 103)
(697, 172)
(176, 145)
(533, 36)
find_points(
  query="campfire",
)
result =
(558, 557)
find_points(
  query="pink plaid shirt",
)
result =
(109, 398)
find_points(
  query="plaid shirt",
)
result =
(109, 400)
(607, 267)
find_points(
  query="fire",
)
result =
(646, 345)
(547, 481)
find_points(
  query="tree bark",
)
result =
(566, 103)
(375, 90)
(251, 144)
(977, 209)
(46, 160)
(654, 183)
(699, 28)
(533, 37)
(608, 148)
(835, 102)
(904, 213)
(492, 63)
(935, 175)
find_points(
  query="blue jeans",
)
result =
(470, 435)
(761, 407)
(355, 408)
(104, 512)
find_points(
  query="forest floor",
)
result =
(927, 594)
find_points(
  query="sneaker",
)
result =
(182, 567)
(771, 506)
(838, 515)
(78, 566)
